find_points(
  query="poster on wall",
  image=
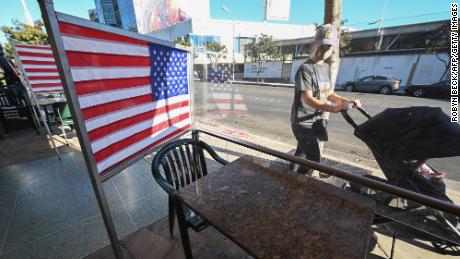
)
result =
(277, 10)
(154, 15)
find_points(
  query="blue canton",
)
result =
(168, 74)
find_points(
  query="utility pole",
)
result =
(333, 15)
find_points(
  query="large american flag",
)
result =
(39, 67)
(133, 94)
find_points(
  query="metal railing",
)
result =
(368, 182)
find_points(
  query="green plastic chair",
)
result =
(65, 117)
(183, 162)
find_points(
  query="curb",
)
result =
(264, 84)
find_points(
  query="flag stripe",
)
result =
(35, 82)
(43, 74)
(34, 54)
(111, 96)
(32, 78)
(46, 89)
(162, 139)
(31, 50)
(32, 58)
(47, 85)
(32, 70)
(72, 29)
(141, 144)
(88, 87)
(112, 117)
(78, 59)
(98, 73)
(126, 132)
(98, 110)
(33, 46)
(104, 47)
(114, 127)
(38, 64)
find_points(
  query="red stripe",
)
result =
(46, 85)
(88, 87)
(35, 62)
(81, 59)
(121, 124)
(32, 70)
(118, 146)
(98, 110)
(32, 54)
(75, 30)
(43, 77)
(33, 47)
(178, 131)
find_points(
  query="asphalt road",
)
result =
(268, 110)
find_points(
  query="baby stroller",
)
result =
(401, 139)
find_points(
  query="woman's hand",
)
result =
(357, 103)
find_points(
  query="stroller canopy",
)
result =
(414, 133)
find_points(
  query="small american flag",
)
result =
(39, 67)
(225, 97)
(133, 94)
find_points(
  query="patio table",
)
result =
(46, 102)
(278, 214)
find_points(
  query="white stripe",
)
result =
(223, 106)
(47, 89)
(240, 107)
(36, 82)
(44, 51)
(35, 58)
(129, 131)
(97, 73)
(106, 47)
(90, 100)
(26, 66)
(109, 118)
(124, 153)
(42, 74)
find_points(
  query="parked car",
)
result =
(441, 88)
(375, 84)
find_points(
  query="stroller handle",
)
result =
(348, 118)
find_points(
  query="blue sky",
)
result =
(358, 12)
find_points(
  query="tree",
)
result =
(215, 51)
(438, 40)
(262, 50)
(184, 41)
(22, 32)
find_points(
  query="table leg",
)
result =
(183, 228)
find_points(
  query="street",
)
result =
(265, 111)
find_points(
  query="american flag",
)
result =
(225, 97)
(133, 94)
(39, 67)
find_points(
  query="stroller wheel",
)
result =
(446, 248)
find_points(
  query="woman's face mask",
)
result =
(324, 52)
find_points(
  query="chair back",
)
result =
(183, 162)
(63, 109)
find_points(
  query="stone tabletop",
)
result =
(280, 214)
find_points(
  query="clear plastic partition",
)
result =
(257, 109)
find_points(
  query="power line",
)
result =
(397, 18)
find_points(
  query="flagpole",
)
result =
(28, 86)
(54, 35)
